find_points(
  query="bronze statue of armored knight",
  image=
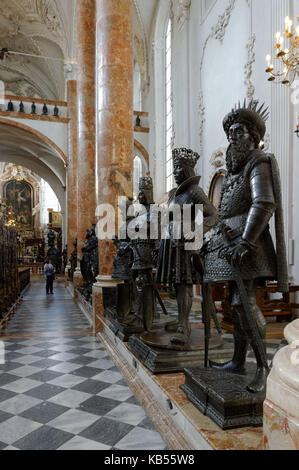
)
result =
(143, 261)
(122, 270)
(176, 265)
(241, 249)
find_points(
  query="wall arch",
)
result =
(35, 132)
(26, 147)
(143, 151)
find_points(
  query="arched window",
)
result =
(168, 108)
(137, 174)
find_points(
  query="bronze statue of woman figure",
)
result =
(176, 265)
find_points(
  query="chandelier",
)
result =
(287, 55)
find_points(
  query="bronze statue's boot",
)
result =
(259, 382)
(184, 301)
(237, 364)
(182, 335)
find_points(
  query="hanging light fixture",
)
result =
(287, 55)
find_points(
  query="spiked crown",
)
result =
(145, 183)
(186, 157)
(251, 115)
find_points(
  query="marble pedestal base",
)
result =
(123, 332)
(223, 397)
(103, 283)
(163, 360)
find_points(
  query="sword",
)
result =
(206, 318)
(208, 309)
(159, 299)
(244, 298)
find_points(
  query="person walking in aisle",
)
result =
(49, 273)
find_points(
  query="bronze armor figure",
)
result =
(176, 266)
(143, 261)
(241, 248)
(122, 270)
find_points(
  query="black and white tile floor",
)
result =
(59, 390)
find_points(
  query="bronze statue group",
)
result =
(238, 250)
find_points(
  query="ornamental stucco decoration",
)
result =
(218, 31)
(183, 12)
(248, 67)
(218, 159)
(25, 22)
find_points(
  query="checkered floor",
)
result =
(58, 388)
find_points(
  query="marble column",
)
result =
(115, 110)
(72, 193)
(86, 72)
(115, 125)
(281, 407)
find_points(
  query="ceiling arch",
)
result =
(34, 151)
(40, 27)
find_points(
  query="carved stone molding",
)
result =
(266, 142)
(141, 51)
(248, 67)
(183, 12)
(202, 119)
(218, 159)
(218, 31)
(70, 71)
(24, 24)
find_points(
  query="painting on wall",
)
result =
(19, 197)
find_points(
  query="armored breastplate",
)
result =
(235, 196)
(142, 247)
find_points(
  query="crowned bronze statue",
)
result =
(241, 250)
(178, 266)
(143, 261)
(122, 268)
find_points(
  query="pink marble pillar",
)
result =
(72, 164)
(86, 72)
(115, 110)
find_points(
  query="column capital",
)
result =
(70, 71)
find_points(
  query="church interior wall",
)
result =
(218, 58)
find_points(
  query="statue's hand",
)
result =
(238, 254)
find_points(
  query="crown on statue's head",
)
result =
(249, 114)
(183, 156)
(145, 183)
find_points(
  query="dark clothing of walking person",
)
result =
(50, 276)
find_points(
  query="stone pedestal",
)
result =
(77, 282)
(66, 276)
(281, 407)
(154, 351)
(223, 396)
(98, 301)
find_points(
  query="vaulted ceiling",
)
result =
(41, 27)
(48, 28)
